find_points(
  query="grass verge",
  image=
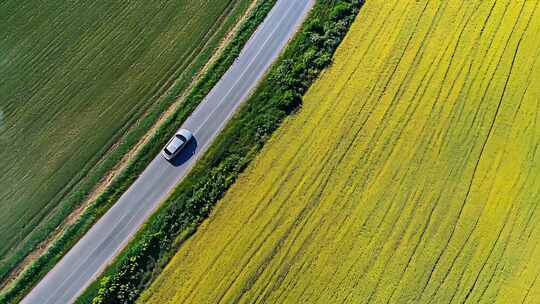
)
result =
(277, 96)
(73, 233)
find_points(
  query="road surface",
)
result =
(89, 257)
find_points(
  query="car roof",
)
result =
(174, 144)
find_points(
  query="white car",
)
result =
(176, 144)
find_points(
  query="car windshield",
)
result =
(175, 144)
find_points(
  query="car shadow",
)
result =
(187, 152)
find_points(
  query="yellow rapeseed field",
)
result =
(410, 175)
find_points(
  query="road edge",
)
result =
(139, 251)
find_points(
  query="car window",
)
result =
(181, 137)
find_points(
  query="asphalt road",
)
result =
(89, 257)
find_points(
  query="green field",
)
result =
(74, 76)
(411, 174)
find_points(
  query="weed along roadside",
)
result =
(277, 96)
